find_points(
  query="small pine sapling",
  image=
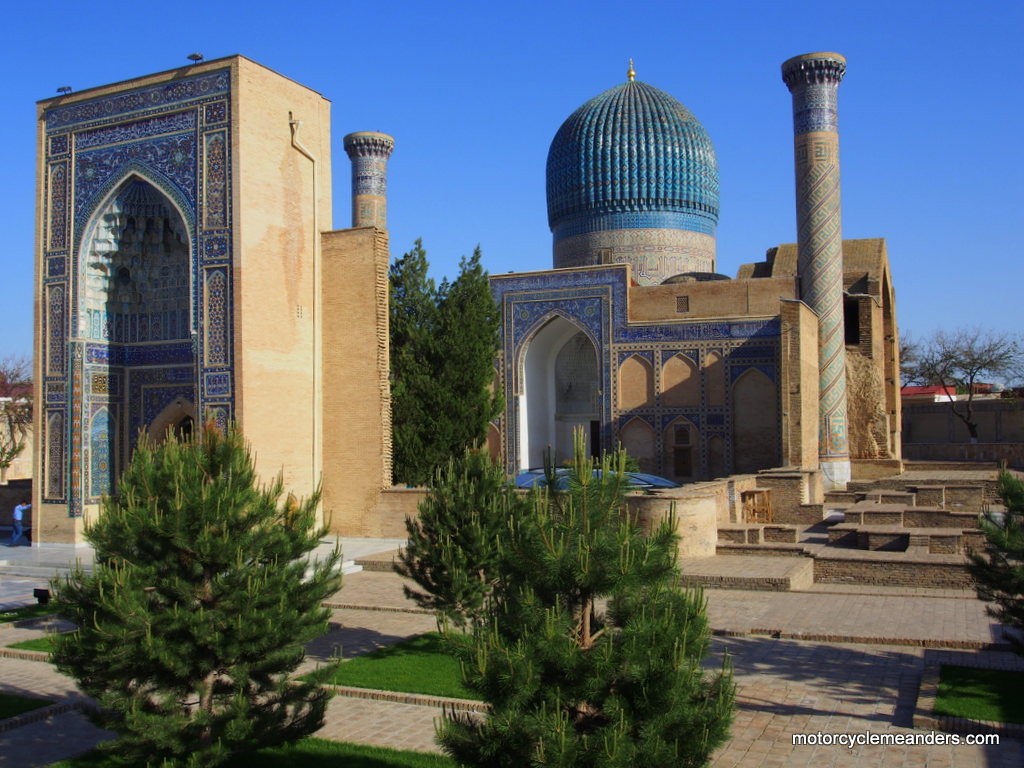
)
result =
(201, 601)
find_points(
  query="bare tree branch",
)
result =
(961, 360)
(15, 407)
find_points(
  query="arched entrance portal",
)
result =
(135, 318)
(561, 393)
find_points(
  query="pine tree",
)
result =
(452, 549)
(998, 570)
(199, 607)
(413, 310)
(468, 324)
(443, 343)
(591, 653)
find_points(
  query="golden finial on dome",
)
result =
(631, 73)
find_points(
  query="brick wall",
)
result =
(357, 400)
(1011, 453)
(896, 573)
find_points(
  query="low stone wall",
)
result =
(791, 491)
(1011, 453)
(930, 495)
(885, 569)
(873, 469)
(924, 517)
(965, 498)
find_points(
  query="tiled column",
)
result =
(369, 152)
(813, 80)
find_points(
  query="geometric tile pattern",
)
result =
(814, 84)
(369, 152)
(170, 138)
(594, 300)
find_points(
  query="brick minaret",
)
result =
(813, 80)
(369, 152)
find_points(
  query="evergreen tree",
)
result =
(452, 549)
(413, 309)
(998, 570)
(591, 653)
(199, 607)
(468, 324)
(443, 343)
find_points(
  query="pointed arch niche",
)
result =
(135, 269)
(134, 314)
(638, 440)
(755, 422)
(636, 383)
(681, 450)
(680, 382)
(714, 378)
(561, 392)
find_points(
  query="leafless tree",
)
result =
(959, 360)
(15, 408)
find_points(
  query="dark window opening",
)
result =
(682, 461)
(183, 429)
(851, 321)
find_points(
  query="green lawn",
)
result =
(44, 644)
(417, 665)
(11, 705)
(308, 753)
(980, 694)
(27, 612)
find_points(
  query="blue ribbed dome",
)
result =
(632, 150)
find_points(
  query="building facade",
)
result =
(184, 256)
(636, 339)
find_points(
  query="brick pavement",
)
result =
(784, 686)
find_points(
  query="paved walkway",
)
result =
(785, 686)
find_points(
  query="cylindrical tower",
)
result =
(813, 80)
(369, 152)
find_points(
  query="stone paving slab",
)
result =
(356, 632)
(375, 590)
(949, 620)
(952, 616)
(784, 687)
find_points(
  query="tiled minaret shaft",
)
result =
(813, 80)
(369, 152)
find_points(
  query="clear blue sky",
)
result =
(931, 116)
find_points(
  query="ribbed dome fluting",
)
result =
(632, 149)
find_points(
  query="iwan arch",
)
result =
(187, 270)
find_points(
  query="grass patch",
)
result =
(44, 644)
(308, 753)
(980, 694)
(26, 612)
(11, 705)
(420, 664)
